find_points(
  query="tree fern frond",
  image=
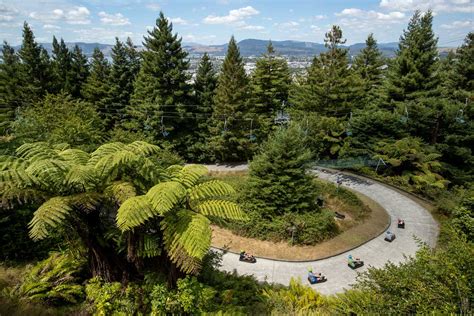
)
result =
(114, 161)
(13, 195)
(49, 172)
(61, 147)
(81, 177)
(222, 209)
(105, 150)
(120, 191)
(149, 247)
(18, 176)
(10, 162)
(85, 202)
(36, 151)
(75, 155)
(142, 148)
(185, 262)
(186, 231)
(211, 189)
(190, 174)
(166, 195)
(49, 215)
(134, 212)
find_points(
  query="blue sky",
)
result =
(214, 21)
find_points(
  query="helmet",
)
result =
(350, 256)
(310, 269)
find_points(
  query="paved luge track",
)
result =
(377, 252)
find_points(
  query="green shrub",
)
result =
(296, 299)
(113, 299)
(190, 297)
(55, 280)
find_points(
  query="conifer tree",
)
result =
(270, 84)
(96, 88)
(133, 57)
(204, 92)
(413, 73)
(61, 66)
(368, 66)
(161, 85)
(279, 181)
(79, 71)
(462, 78)
(230, 120)
(120, 84)
(10, 97)
(330, 87)
(34, 70)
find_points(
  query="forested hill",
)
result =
(248, 47)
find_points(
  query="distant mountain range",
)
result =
(248, 47)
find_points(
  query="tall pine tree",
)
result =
(133, 57)
(79, 71)
(230, 120)
(120, 84)
(330, 87)
(10, 98)
(413, 73)
(462, 78)
(204, 91)
(161, 85)
(368, 65)
(61, 66)
(34, 70)
(270, 85)
(96, 88)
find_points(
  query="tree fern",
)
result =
(76, 156)
(49, 215)
(149, 247)
(211, 189)
(221, 208)
(120, 191)
(186, 231)
(80, 177)
(159, 200)
(36, 151)
(166, 195)
(188, 175)
(134, 212)
(142, 148)
(105, 150)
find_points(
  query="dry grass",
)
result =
(371, 227)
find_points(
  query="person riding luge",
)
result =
(354, 263)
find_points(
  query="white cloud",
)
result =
(7, 14)
(113, 19)
(424, 5)
(458, 25)
(198, 38)
(320, 17)
(315, 28)
(233, 16)
(76, 15)
(51, 27)
(99, 34)
(354, 13)
(153, 6)
(252, 28)
(179, 21)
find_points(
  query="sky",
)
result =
(214, 21)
